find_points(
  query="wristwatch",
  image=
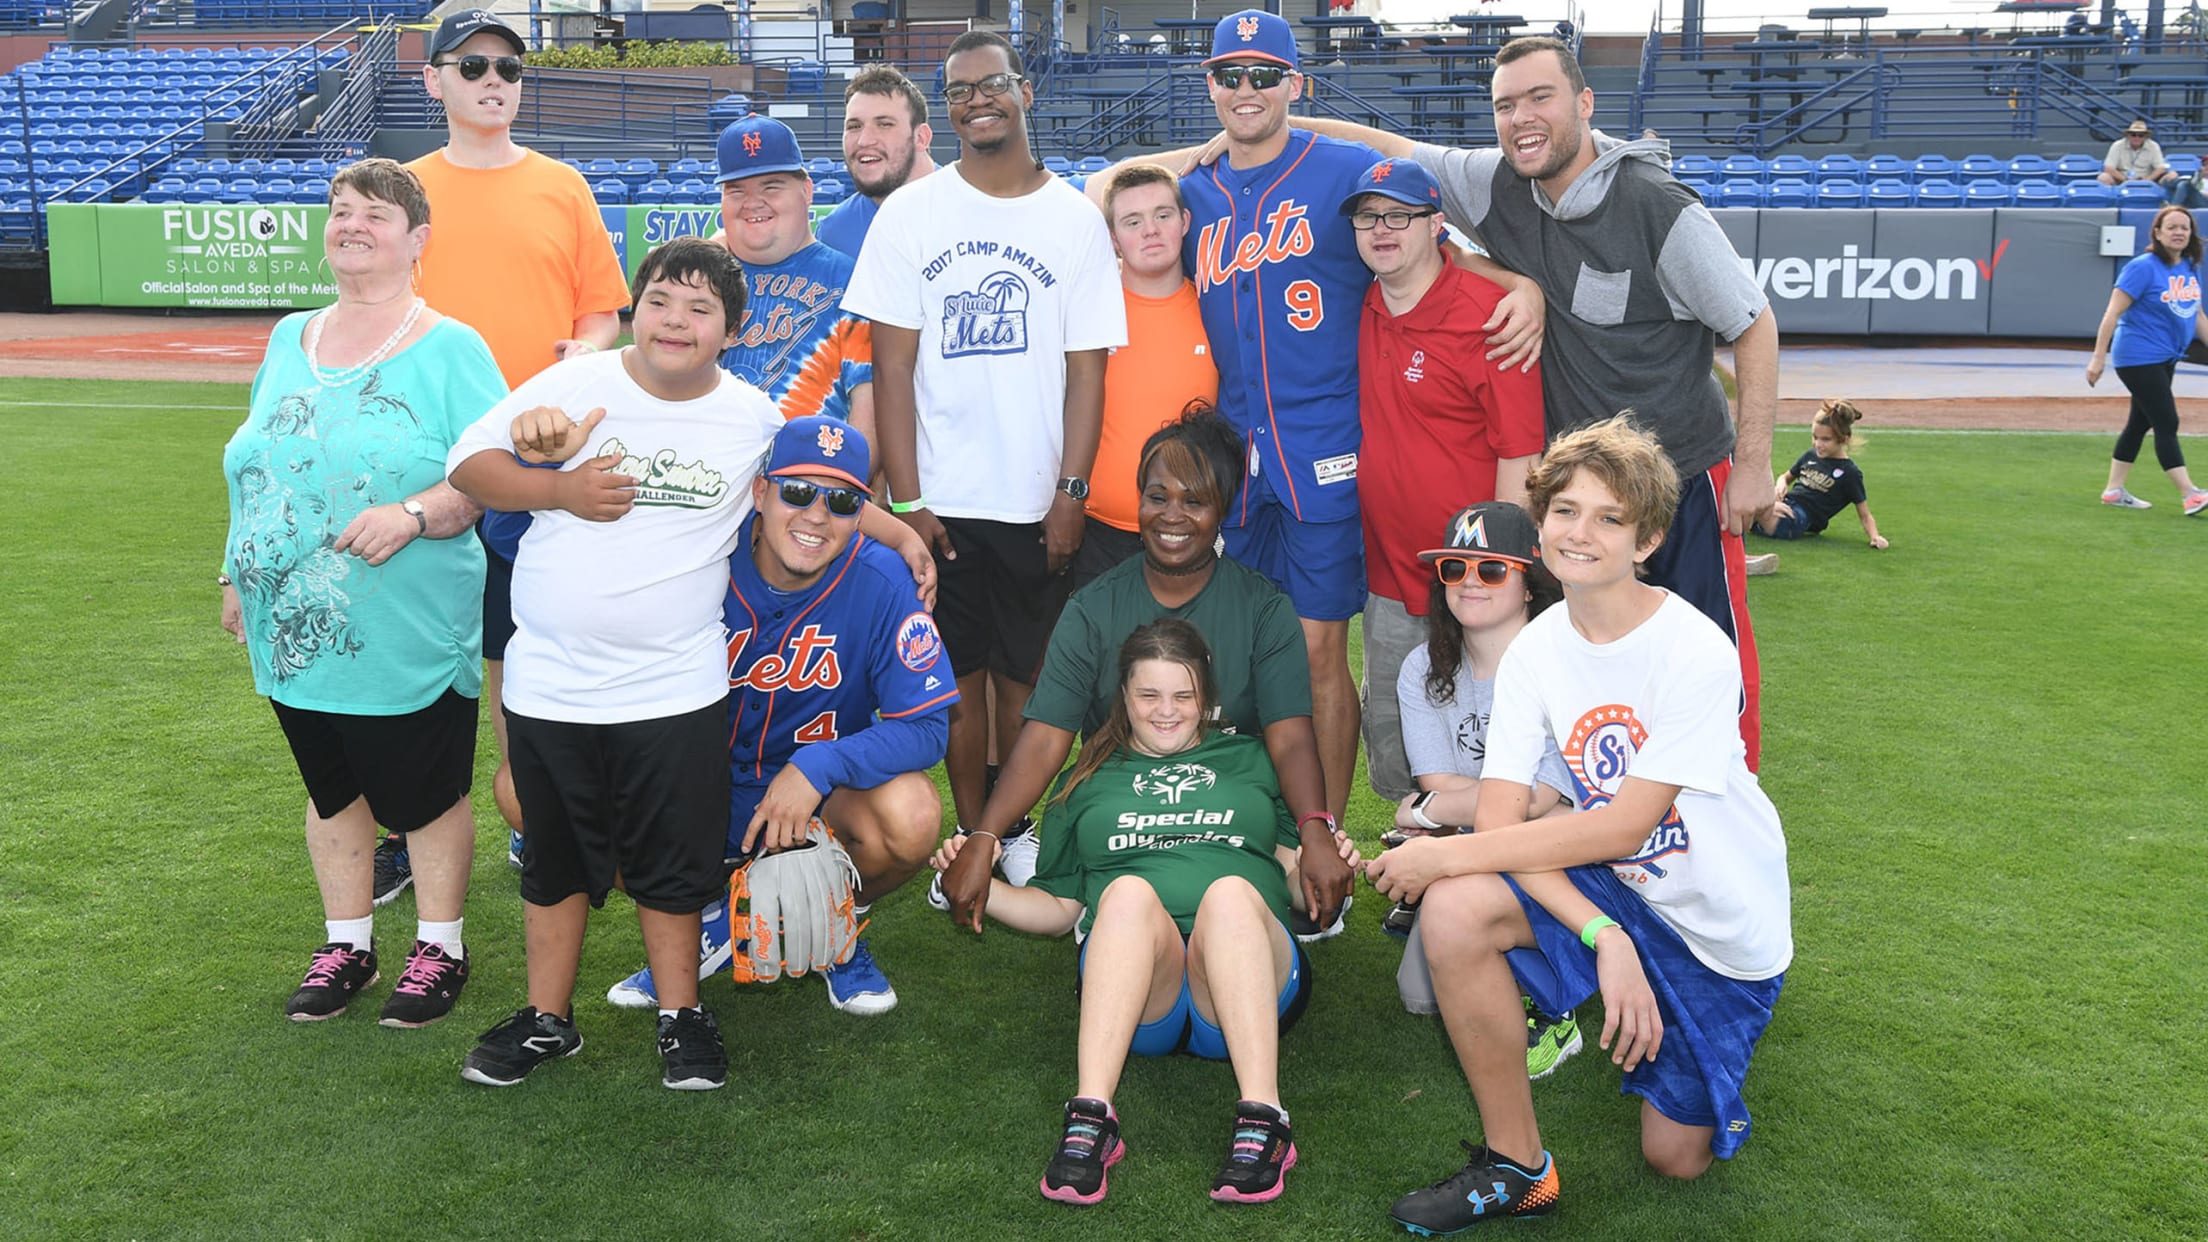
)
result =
(421, 517)
(1078, 489)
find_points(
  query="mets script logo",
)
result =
(990, 320)
(830, 441)
(1171, 782)
(1285, 235)
(1599, 752)
(809, 665)
(751, 143)
(918, 642)
(664, 481)
(1247, 28)
(2182, 294)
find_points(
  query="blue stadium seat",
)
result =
(1739, 194)
(1839, 168)
(2038, 192)
(241, 190)
(1790, 168)
(1687, 168)
(1929, 168)
(657, 190)
(638, 171)
(599, 170)
(283, 168)
(690, 167)
(2088, 194)
(696, 193)
(1742, 168)
(315, 168)
(316, 190)
(1789, 192)
(2070, 168)
(2031, 168)
(1981, 168)
(1987, 192)
(2187, 166)
(819, 166)
(1889, 192)
(1839, 192)
(1707, 189)
(828, 192)
(2140, 194)
(1058, 164)
(276, 189)
(1939, 193)
(205, 190)
(610, 190)
(1096, 163)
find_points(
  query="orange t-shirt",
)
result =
(1165, 364)
(518, 253)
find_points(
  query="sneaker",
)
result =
(1550, 1042)
(336, 973)
(1307, 929)
(1258, 1159)
(394, 868)
(427, 987)
(508, 1051)
(1487, 1187)
(2120, 498)
(690, 1054)
(859, 986)
(1090, 1146)
(2196, 503)
(1401, 918)
(1765, 563)
(513, 850)
(1022, 850)
(714, 951)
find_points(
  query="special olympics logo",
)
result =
(1601, 748)
(1247, 28)
(1171, 782)
(918, 642)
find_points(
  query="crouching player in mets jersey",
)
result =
(839, 694)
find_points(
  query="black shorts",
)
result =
(1102, 547)
(411, 768)
(644, 800)
(498, 604)
(997, 602)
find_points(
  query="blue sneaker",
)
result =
(394, 869)
(513, 850)
(714, 952)
(859, 986)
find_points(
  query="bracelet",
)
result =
(1418, 812)
(1594, 928)
(1333, 825)
(222, 579)
(913, 505)
(992, 836)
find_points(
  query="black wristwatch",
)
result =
(1078, 489)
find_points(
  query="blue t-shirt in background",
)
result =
(2165, 300)
(845, 228)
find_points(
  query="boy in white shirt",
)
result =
(1667, 893)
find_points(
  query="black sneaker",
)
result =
(690, 1054)
(1488, 1187)
(394, 868)
(1401, 918)
(337, 972)
(1090, 1146)
(427, 987)
(1306, 929)
(1259, 1157)
(508, 1051)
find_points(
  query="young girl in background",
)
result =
(1822, 481)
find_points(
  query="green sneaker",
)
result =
(1550, 1042)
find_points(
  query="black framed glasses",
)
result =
(474, 67)
(993, 85)
(842, 501)
(1366, 221)
(1262, 77)
(1490, 572)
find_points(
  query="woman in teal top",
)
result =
(351, 579)
(1170, 846)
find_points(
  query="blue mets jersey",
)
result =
(1282, 289)
(846, 679)
(798, 346)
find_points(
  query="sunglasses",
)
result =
(1454, 569)
(1262, 77)
(842, 501)
(474, 67)
(1397, 221)
(994, 84)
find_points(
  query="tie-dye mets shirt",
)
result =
(798, 345)
(325, 630)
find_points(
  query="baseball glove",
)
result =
(795, 906)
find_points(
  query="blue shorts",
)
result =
(1711, 1023)
(1320, 565)
(1791, 525)
(1182, 1029)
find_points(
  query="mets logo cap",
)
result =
(1254, 34)
(1405, 181)
(467, 23)
(757, 145)
(820, 445)
(1495, 528)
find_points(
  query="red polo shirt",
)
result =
(1437, 416)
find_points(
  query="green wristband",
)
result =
(1594, 928)
(913, 505)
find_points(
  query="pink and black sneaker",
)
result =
(1089, 1147)
(427, 987)
(336, 974)
(1259, 1158)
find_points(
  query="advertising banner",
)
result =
(247, 255)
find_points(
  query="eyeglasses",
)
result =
(1262, 77)
(474, 67)
(1366, 221)
(1454, 569)
(842, 501)
(993, 85)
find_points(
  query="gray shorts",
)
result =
(1414, 982)
(1391, 634)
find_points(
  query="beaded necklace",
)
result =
(338, 379)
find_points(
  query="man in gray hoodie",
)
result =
(1640, 282)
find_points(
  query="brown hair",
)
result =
(1519, 49)
(2191, 253)
(386, 181)
(1445, 635)
(1629, 462)
(1842, 416)
(890, 81)
(1170, 639)
(1135, 176)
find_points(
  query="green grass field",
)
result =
(1977, 741)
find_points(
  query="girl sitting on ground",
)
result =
(1822, 481)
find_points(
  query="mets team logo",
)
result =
(1171, 782)
(830, 441)
(1246, 28)
(751, 143)
(918, 642)
(1382, 171)
(1600, 752)
(992, 319)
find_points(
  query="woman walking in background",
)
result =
(2154, 316)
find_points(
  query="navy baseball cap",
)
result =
(461, 26)
(820, 445)
(1495, 528)
(1405, 181)
(1254, 34)
(757, 145)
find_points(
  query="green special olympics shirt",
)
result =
(1178, 821)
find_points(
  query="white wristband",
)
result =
(1418, 812)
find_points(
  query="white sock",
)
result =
(445, 936)
(357, 933)
(669, 1013)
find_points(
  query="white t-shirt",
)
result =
(1663, 704)
(1000, 289)
(620, 621)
